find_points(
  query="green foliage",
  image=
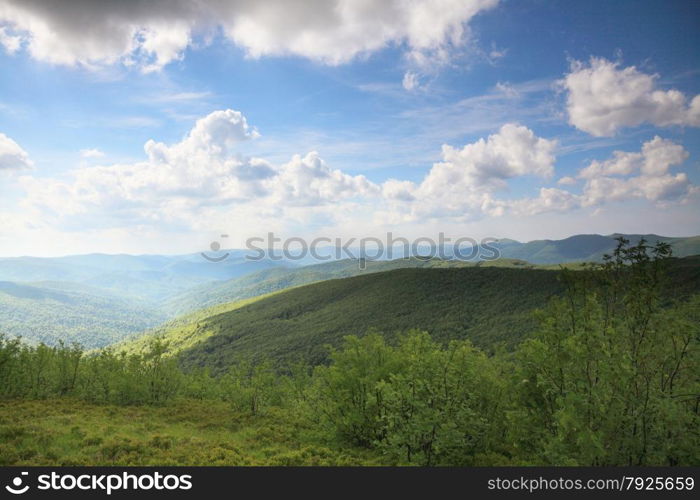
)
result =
(611, 377)
(487, 305)
(70, 432)
(48, 312)
(273, 280)
(45, 371)
(608, 376)
(419, 402)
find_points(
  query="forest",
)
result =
(609, 375)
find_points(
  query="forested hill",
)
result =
(271, 280)
(49, 311)
(488, 305)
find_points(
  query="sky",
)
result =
(138, 126)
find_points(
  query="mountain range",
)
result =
(100, 299)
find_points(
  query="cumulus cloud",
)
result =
(645, 174)
(178, 181)
(91, 153)
(203, 177)
(12, 156)
(512, 152)
(154, 33)
(549, 200)
(11, 43)
(602, 98)
(309, 181)
(625, 176)
(464, 183)
(566, 181)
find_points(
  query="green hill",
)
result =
(48, 311)
(486, 304)
(272, 280)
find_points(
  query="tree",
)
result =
(610, 377)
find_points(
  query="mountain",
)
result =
(49, 311)
(488, 305)
(151, 278)
(587, 247)
(271, 280)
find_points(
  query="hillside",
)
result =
(185, 331)
(487, 305)
(271, 280)
(49, 311)
(587, 247)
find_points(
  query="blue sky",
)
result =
(526, 95)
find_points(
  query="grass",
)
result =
(64, 432)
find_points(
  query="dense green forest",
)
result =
(609, 375)
(47, 311)
(487, 305)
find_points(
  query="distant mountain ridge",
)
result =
(587, 247)
(146, 277)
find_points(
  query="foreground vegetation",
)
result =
(609, 377)
(68, 431)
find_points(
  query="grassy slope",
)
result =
(67, 432)
(186, 331)
(189, 329)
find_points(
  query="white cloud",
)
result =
(155, 33)
(463, 184)
(566, 181)
(309, 181)
(549, 200)
(638, 175)
(12, 156)
(602, 98)
(11, 43)
(91, 153)
(180, 182)
(514, 151)
(410, 81)
(203, 181)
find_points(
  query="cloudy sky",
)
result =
(154, 126)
